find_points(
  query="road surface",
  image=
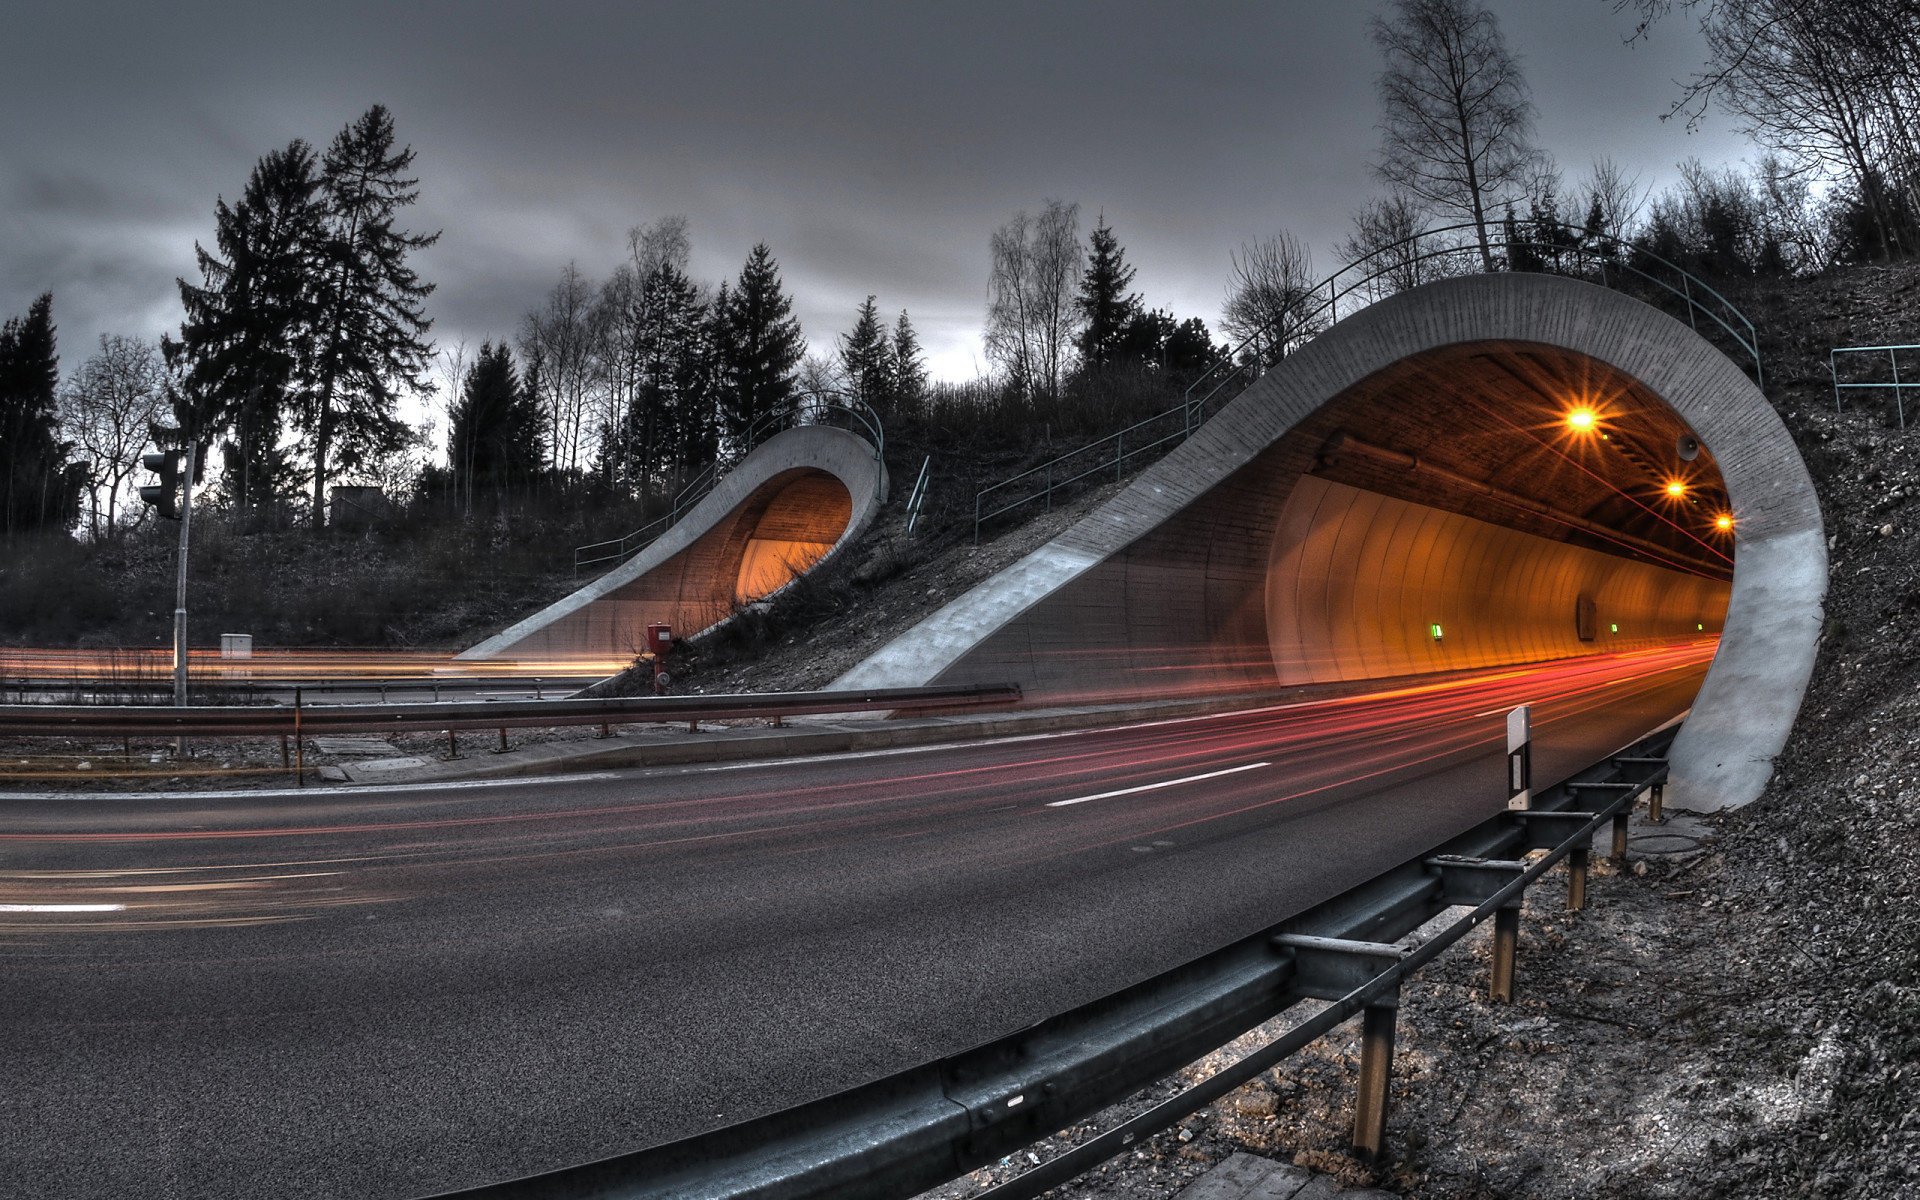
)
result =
(391, 993)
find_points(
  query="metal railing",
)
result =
(813, 407)
(913, 1130)
(917, 499)
(1896, 385)
(1427, 256)
(71, 720)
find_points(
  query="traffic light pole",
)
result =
(180, 587)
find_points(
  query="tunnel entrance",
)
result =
(1436, 427)
(778, 513)
(1491, 503)
(797, 524)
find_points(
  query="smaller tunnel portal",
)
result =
(799, 526)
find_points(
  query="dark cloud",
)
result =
(873, 145)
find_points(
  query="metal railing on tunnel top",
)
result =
(813, 407)
(900, 1135)
(55, 720)
(1432, 254)
(1871, 354)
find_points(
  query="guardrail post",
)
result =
(1620, 819)
(1376, 1075)
(503, 741)
(1655, 802)
(453, 745)
(299, 745)
(1506, 945)
(1577, 878)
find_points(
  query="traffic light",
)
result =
(164, 495)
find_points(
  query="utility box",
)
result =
(659, 639)
(236, 645)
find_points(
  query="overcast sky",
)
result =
(874, 146)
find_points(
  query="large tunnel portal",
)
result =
(1482, 471)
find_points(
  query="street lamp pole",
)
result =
(180, 584)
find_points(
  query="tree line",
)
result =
(306, 323)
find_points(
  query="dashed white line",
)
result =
(1154, 787)
(61, 908)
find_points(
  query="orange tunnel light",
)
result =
(1582, 420)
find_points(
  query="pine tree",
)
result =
(250, 323)
(866, 358)
(1105, 305)
(493, 442)
(665, 425)
(370, 334)
(39, 487)
(909, 367)
(763, 345)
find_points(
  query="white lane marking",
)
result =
(61, 908)
(1154, 787)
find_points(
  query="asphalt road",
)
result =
(389, 994)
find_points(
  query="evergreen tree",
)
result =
(250, 323)
(909, 367)
(370, 335)
(39, 487)
(1104, 303)
(494, 440)
(665, 425)
(866, 358)
(762, 346)
(1189, 350)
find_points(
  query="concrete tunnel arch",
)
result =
(1183, 560)
(784, 509)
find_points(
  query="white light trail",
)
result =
(1153, 787)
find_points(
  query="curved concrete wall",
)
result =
(1164, 586)
(783, 509)
(1358, 581)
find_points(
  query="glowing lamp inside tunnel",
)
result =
(1676, 488)
(1723, 522)
(1582, 420)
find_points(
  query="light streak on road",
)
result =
(1154, 787)
(328, 852)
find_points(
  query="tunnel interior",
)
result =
(797, 526)
(1491, 503)
(1475, 504)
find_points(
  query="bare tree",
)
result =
(1834, 87)
(665, 243)
(1387, 237)
(1456, 114)
(108, 409)
(1270, 300)
(1031, 315)
(561, 335)
(1617, 198)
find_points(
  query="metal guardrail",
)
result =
(913, 1130)
(1898, 386)
(68, 720)
(162, 689)
(820, 407)
(1607, 260)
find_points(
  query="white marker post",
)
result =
(1520, 757)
